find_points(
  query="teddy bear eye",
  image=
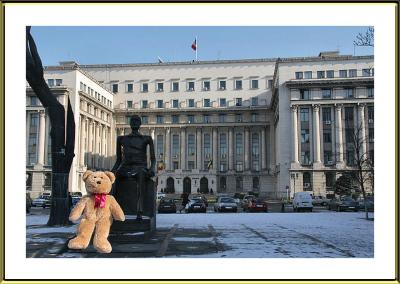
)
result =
(94, 176)
(101, 177)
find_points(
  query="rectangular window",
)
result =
(326, 114)
(305, 136)
(348, 113)
(129, 104)
(58, 82)
(145, 119)
(190, 118)
(349, 135)
(238, 101)
(366, 72)
(160, 87)
(206, 118)
(160, 119)
(254, 117)
(326, 93)
(206, 149)
(175, 103)
(350, 157)
(206, 85)
(305, 157)
(239, 166)
(222, 85)
(175, 86)
(34, 101)
(327, 137)
(145, 87)
(327, 157)
(349, 93)
(160, 147)
(50, 82)
(238, 84)
(370, 92)
(81, 87)
(190, 86)
(330, 74)
(308, 75)
(223, 145)
(222, 118)
(269, 84)
(343, 73)
(175, 146)
(254, 101)
(239, 144)
(115, 88)
(254, 84)
(305, 94)
(175, 165)
(160, 103)
(255, 152)
(353, 73)
(129, 88)
(370, 135)
(370, 114)
(304, 115)
(299, 75)
(191, 102)
(191, 145)
(145, 104)
(238, 118)
(222, 166)
(190, 165)
(207, 103)
(320, 74)
(222, 102)
(175, 119)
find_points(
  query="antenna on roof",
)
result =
(160, 60)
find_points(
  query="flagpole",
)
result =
(197, 47)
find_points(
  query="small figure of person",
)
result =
(185, 201)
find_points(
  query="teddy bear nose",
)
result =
(99, 182)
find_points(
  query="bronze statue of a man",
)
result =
(131, 167)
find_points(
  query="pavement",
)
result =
(318, 234)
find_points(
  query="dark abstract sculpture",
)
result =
(131, 169)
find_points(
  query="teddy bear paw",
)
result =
(103, 247)
(77, 244)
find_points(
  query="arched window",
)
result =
(307, 186)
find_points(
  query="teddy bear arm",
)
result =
(78, 209)
(116, 210)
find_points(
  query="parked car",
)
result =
(167, 205)
(196, 205)
(343, 204)
(320, 201)
(245, 201)
(257, 205)
(225, 204)
(75, 199)
(42, 201)
(302, 201)
(160, 195)
(202, 197)
(369, 201)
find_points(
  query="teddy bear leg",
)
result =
(85, 231)
(100, 242)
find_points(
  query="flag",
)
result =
(194, 44)
(210, 163)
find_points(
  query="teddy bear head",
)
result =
(98, 182)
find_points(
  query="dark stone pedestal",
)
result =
(126, 195)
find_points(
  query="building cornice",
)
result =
(334, 82)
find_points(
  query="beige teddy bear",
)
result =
(98, 210)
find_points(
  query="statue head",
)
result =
(135, 122)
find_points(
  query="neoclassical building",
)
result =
(266, 125)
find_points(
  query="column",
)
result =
(361, 132)
(183, 148)
(82, 142)
(198, 149)
(263, 150)
(339, 134)
(215, 149)
(96, 145)
(103, 146)
(246, 149)
(316, 135)
(230, 149)
(167, 149)
(153, 133)
(42, 136)
(295, 141)
(90, 143)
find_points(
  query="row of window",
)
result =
(190, 85)
(175, 119)
(326, 114)
(95, 111)
(349, 93)
(368, 72)
(207, 150)
(88, 90)
(54, 82)
(328, 157)
(191, 103)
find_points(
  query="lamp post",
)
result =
(294, 176)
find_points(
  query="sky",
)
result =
(141, 44)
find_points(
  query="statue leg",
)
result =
(141, 179)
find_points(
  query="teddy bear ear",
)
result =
(86, 175)
(111, 176)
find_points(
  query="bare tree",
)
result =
(365, 39)
(62, 134)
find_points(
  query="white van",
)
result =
(302, 201)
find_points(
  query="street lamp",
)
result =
(294, 176)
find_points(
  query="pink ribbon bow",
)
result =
(100, 200)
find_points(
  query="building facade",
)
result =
(264, 125)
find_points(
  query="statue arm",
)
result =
(118, 153)
(152, 157)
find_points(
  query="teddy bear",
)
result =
(98, 210)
